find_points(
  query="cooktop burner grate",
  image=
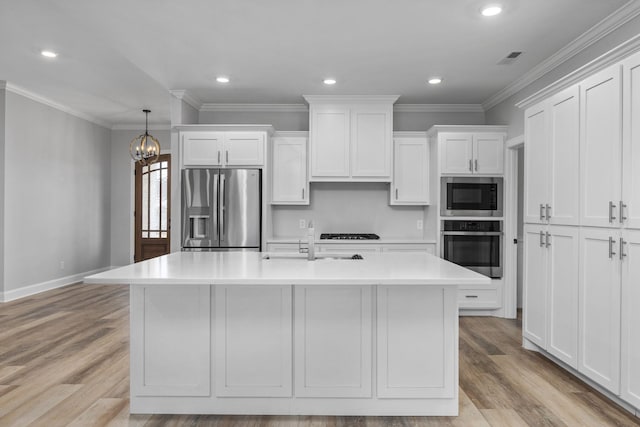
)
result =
(349, 236)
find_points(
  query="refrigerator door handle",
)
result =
(214, 208)
(223, 190)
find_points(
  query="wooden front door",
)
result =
(153, 209)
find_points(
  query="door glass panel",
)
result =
(155, 200)
(163, 198)
(145, 201)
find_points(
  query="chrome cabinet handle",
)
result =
(303, 193)
(612, 242)
(476, 163)
(547, 243)
(548, 209)
(611, 208)
(471, 296)
(227, 156)
(622, 208)
(541, 212)
(470, 165)
(541, 239)
(622, 254)
(218, 156)
(396, 194)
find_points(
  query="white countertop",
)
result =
(381, 241)
(249, 268)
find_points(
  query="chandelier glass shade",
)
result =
(145, 149)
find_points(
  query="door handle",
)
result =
(547, 242)
(476, 164)
(547, 210)
(622, 254)
(223, 190)
(541, 212)
(612, 242)
(622, 208)
(470, 165)
(541, 239)
(611, 208)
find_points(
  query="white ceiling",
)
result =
(118, 56)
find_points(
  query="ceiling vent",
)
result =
(510, 58)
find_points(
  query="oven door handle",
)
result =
(472, 233)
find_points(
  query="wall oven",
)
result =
(476, 245)
(471, 196)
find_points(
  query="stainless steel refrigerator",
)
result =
(221, 209)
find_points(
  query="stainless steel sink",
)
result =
(303, 257)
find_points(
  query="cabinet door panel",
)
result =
(170, 345)
(253, 340)
(563, 256)
(536, 180)
(601, 145)
(631, 319)
(416, 341)
(456, 153)
(488, 154)
(410, 171)
(534, 312)
(371, 142)
(564, 160)
(244, 149)
(290, 185)
(631, 138)
(599, 355)
(333, 341)
(202, 148)
(330, 142)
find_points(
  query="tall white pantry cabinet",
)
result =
(582, 227)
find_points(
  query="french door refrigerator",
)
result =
(221, 209)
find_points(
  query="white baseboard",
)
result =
(36, 288)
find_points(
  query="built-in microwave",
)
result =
(471, 196)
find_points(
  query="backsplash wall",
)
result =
(349, 207)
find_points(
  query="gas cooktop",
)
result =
(349, 236)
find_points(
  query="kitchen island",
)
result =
(248, 333)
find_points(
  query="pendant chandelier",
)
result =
(145, 149)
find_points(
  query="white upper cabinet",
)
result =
(601, 148)
(350, 138)
(631, 143)
(410, 185)
(289, 172)
(552, 156)
(212, 148)
(471, 152)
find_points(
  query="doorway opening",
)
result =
(514, 199)
(152, 214)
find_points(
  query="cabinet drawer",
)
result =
(479, 298)
(356, 249)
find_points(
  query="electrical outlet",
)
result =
(303, 223)
(61, 265)
(419, 224)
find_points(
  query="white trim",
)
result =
(609, 58)
(187, 97)
(609, 24)
(515, 142)
(252, 108)
(351, 99)
(409, 134)
(45, 101)
(140, 127)
(438, 108)
(226, 128)
(466, 128)
(291, 134)
(37, 288)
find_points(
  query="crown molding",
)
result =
(226, 128)
(140, 127)
(252, 108)
(609, 24)
(351, 99)
(409, 134)
(188, 97)
(611, 57)
(433, 130)
(291, 134)
(10, 87)
(438, 108)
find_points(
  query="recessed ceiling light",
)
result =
(435, 81)
(48, 54)
(222, 79)
(329, 81)
(491, 10)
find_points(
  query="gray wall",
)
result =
(122, 191)
(57, 194)
(506, 113)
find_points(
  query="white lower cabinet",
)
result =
(252, 348)
(333, 339)
(630, 378)
(600, 307)
(551, 281)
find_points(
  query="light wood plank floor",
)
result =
(64, 361)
